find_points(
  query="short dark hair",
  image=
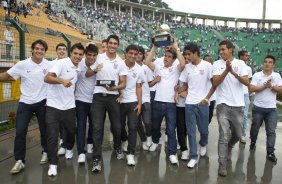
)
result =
(270, 57)
(104, 41)
(142, 50)
(242, 53)
(192, 47)
(132, 47)
(41, 42)
(228, 44)
(61, 45)
(78, 46)
(113, 37)
(206, 55)
(91, 48)
(173, 52)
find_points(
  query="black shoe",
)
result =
(97, 165)
(253, 146)
(272, 157)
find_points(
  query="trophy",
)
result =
(104, 83)
(164, 38)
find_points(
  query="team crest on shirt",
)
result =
(202, 71)
(115, 66)
(236, 69)
(44, 71)
(134, 75)
(170, 69)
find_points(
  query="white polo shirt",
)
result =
(134, 77)
(111, 70)
(230, 91)
(33, 88)
(60, 97)
(147, 77)
(84, 86)
(198, 78)
(267, 97)
(165, 88)
(250, 74)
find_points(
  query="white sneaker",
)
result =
(203, 151)
(144, 146)
(69, 154)
(130, 160)
(191, 164)
(81, 158)
(90, 148)
(149, 141)
(173, 159)
(44, 158)
(153, 147)
(62, 151)
(124, 145)
(184, 155)
(52, 170)
(19, 165)
(243, 139)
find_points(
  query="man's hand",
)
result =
(138, 109)
(98, 68)
(204, 101)
(268, 84)
(157, 79)
(110, 88)
(176, 98)
(228, 65)
(119, 98)
(67, 82)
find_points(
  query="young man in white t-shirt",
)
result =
(244, 56)
(33, 99)
(131, 102)
(145, 117)
(229, 76)
(111, 74)
(61, 105)
(266, 84)
(164, 105)
(196, 78)
(83, 101)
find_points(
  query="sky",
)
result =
(229, 8)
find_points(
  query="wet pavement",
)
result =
(152, 167)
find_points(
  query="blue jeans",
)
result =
(24, 114)
(246, 110)
(167, 110)
(269, 116)
(82, 112)
(197, 115)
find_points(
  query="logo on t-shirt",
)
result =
(44, 71)
(115, 66)
(236, 69)
(202, 71)
(134, 75)
(170, 69)
(28, 71)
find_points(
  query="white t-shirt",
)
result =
(111, 70)
(198, 78)
(61, 97)
(134, 77)
(33, 88)
(145, 85)
(165, 88)
(181, 100)
(230, 90)
(84, 86)
(266, 98)
(250, 74)
(151, 75)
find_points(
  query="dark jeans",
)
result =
(103, 103)
(146, 118)
(181, 128)
(152, 99)
(127, 112)
(24, 114)
(82, 112)
(167, 110)
(269, 116)
(55, 117)
(211, 108)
